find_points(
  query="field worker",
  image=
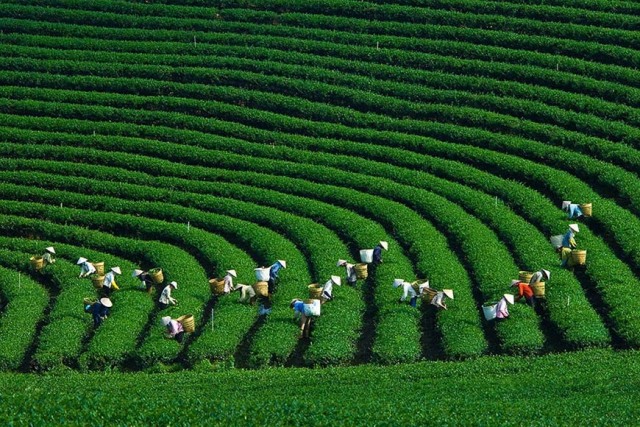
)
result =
(86, 268)
(99, 310)
(566, 260)
(327, 289)
(502, 312)
(47, 256)
(175, 330)
(247, 294)
(350, 271)
(539, 276)
(438, 300)
(228, 281)
(298, 311)
(568, 240)
(165, 296)
(377, 251)
(573, 210)
(407, 291)
(145, 279)
(273, 273)
(524, 291)
(109, 281)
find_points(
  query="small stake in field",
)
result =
(378, 45)
(195, 43)
(19, 281)
(188, 225)
(212, 319)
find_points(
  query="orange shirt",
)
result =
(524, 290)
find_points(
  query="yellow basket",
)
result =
(579, 256)
(525, 276)
(429, 294)
(37, 262)
(157, 276)
(315, 291)
(188, 322)
(587, 209)
(261, 289)
(97, 281)
(538, 289)
(99, 266)
(361, 271)
(216, 286)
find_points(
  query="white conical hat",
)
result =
(106, 302)
(574, 228)
(81, 260)
(384, 245)
(448, 293)
(165, 320)
(341, 262)
(547, 274)
(116, 270)
(232, 272)
(397, 282)
(509, 298)
(336, 280)
(136, 273)
(50, 249)
(515, 282)
(283, 263)
(565, 204)
(174, 284)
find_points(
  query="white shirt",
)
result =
(438, 300)
(407, 290)
(165, 296)
(109, 278)
(228, 283)
(328, 287)
(537, 277)
(87, 268)
(351, 273)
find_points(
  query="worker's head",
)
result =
(336, 280)
(448, 293)
(232, 273)
(106, 302)
(574, 227)
(50, 250)
(116, 270)
(293, 302)
(384, 245)
(174, 285)
(558, 248)
(341, 263)
(546, 274)
(136, 273)
(515, 282)
(81, 260)
(397, 282)
(165, 320)
(565, 205)
(283, 263)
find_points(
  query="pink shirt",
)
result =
(501, 310)
(175, 328)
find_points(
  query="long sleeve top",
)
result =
(377, 254)
(536, 277)
(145, 278)
(110, 280)
(502, 311)
(48, 258)
(274, 270)
(328, 288)
(438, 300)
(351, 273)
(524, 290)
(246, 292)
(174, 328)
(407, 291)
(574, 210)
(99, 312)
(87, 268)
(565, 257)
(568, 240)
(298, 308)
(228, 283)
(165, 296)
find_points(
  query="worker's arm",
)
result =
(114, 285)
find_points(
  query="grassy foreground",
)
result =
(597, 387)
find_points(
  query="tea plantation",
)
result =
(204, 136)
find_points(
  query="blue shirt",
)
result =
(574, 210)
(273, 271)
(298, 307)
(98, 311)
(377, 254)
(567, 239)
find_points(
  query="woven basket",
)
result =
(579, 256)
(37, 262)
(261, 289)
(538, 289)
(587, 209)
(99, 266)
(428, 294)
(156, 275)
(97, 281)
(525, 276)
(361, 271)
(216, 286)
(188, 322)
(315, 291)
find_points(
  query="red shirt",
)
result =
(524, 290)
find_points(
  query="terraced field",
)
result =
(206, 136)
